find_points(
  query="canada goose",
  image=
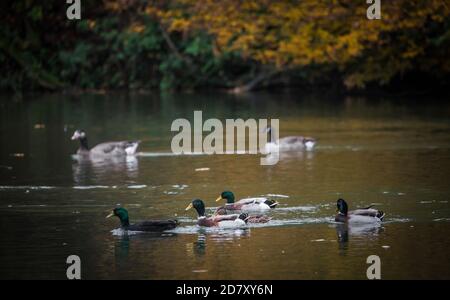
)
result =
(119, 148)
(288, 143)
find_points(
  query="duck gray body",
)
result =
(114, 148)
(232, 220)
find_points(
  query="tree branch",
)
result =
(173, 48)
(253, 84)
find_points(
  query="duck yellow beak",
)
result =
(218, 199)
(110, 215)
(189, 206)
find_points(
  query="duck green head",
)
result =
(122, 214)
(342, 207)
(226, 195)
(199, 207)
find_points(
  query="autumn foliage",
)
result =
(242, 45)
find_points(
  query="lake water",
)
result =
(389, 151)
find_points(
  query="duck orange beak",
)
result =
(110, 215)
(218, 199)
(189, 206)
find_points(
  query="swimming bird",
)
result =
(227, 221)
(360, 215)
(288, 143)
(151, 225)
(119, 148)
(247, 205)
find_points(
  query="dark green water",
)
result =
(388, 151)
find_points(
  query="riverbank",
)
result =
(235, 46)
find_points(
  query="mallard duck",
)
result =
(228, 221)
(288, 143)
(120, 148)
(151, 225)
(247, 205)
(361, 215)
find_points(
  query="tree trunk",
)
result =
(253, 84)
(174, 48)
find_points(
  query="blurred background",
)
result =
(234, 45)
(372, 92)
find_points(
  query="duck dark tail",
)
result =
(271, 203)
(380, 215)
(370, 206)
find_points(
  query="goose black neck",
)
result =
(271, 137)
(84, 144)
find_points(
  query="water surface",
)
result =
(389, 151)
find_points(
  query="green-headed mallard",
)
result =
(246, 205)
(228, 221)
(151, 225)
(361, 215)
(120, 148)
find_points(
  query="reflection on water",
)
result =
(200, 245)
(198, 248)
(289, 157)
(390, 152)
(87, 167)
(363, 232)
(122, 248)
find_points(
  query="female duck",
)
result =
(248, 205)
(288, 143)
(224, 221)
(361, 215)
(152, 225)
(120, 148)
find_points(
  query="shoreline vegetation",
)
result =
(232, 46)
